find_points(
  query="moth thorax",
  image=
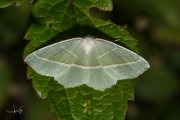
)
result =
(88, 44)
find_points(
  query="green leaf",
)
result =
(62, 19)
(83, 102)
(55, 20)
(5, 3)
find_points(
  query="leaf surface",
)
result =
(5, 3)
(56, 20)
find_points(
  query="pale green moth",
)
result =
(92, 61)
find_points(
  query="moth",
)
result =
(95, 62)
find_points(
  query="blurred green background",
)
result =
(155, 24)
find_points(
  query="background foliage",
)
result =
(154, 23)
